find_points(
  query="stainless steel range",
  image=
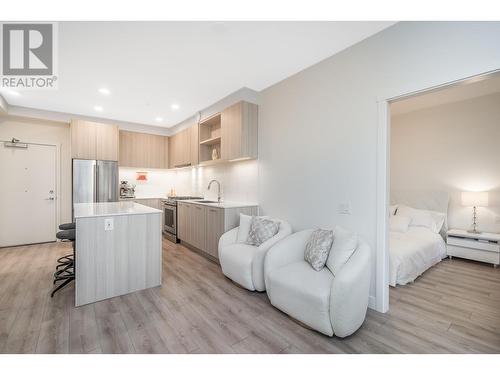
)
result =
(170, 216)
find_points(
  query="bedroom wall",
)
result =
(318, 128)
(454, 148)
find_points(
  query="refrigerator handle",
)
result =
(96, 182)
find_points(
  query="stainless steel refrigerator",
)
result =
(95, 181)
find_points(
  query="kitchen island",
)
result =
(118, 249)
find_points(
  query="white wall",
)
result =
(318, 128)
(453, 147)
(238, 181)
(48, 132)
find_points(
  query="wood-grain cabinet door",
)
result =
(83, 140)
(126, 155)
(107, 138)
(198, 226)
(194, 144)
(183, 217)
(231, 132)
(156, 151)
(184, 148)
(166, 150)
(172, 151)
(215, 229)
(239, 124)
(143, 150)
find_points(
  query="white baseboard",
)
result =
(372, 303)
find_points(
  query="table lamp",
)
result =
(474, 199)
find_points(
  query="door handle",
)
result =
(49, 199)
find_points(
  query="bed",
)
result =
(418, 243)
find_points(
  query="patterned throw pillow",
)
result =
(318, 248)
(261, 230)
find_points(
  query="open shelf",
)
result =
(212, 162)
(210, 141)
(210, 138)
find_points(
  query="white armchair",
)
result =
(244, 264)
(332, 305)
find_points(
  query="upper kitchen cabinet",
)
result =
(183, 148)
(239, 124)
(143, 150)
(194, 145)
(107, 142)
(210, 139)
(90, 140)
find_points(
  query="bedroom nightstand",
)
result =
(484, 247)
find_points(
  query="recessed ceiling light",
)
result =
(104, 91)
(159, 119)
(175, 107)
(98, 108)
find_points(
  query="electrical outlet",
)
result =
(109, 224)
(344, 208)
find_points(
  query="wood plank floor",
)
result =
(452, 308)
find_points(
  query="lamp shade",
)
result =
(475, 199)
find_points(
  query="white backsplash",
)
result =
(238, 181)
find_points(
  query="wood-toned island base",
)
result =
(452, 308)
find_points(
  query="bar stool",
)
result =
(65, 270)
(67, 259)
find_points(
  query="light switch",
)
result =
(497, 219)
(344, 208)
(109, 224)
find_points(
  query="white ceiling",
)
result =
(455, 93)
(148, 66)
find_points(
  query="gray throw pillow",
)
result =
(261, 230)
(318, 248)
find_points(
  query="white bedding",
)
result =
(413, 252)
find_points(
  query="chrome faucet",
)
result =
(218, 191)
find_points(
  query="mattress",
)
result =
(412, 253)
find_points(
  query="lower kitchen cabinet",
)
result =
(214, 229)
(198, 222)
(153, 203)
(183, 214)
(150, 202)
(201, 226)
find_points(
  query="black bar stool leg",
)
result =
(60, 286)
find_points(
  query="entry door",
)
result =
(27, 194)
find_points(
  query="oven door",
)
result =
(170, 218)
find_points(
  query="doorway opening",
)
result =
(436, 146)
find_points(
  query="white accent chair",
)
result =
(244, 264)
(332, 305)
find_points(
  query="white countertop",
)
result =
(111, 209)
(139, 198)
(224, 204)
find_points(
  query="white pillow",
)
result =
(344, 244)
(244, 228)
(423, 218)
(399, 223)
